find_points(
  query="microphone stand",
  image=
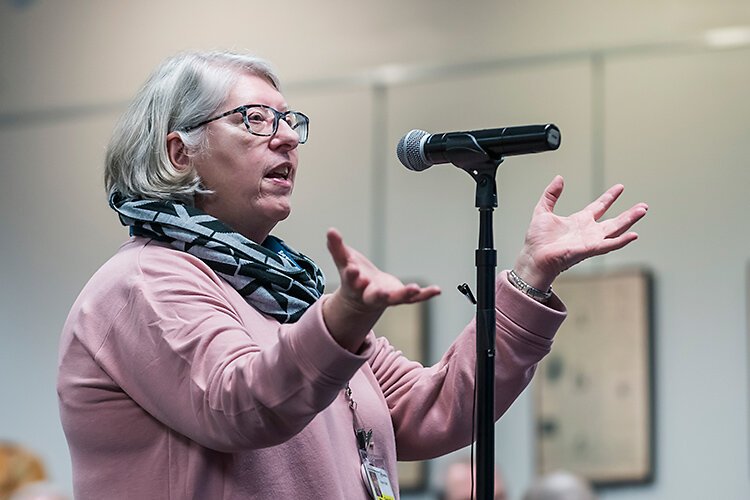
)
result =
(469, 156)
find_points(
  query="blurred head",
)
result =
(560, 485)
(182, 91)
(458, 483)
(39, 491)
(18, 467)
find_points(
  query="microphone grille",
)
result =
(409, 151)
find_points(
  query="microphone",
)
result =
(418, 150)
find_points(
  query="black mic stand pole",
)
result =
(486, 264)
(483, 169)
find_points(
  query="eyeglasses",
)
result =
(263, 120)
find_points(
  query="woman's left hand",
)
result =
(555, 243)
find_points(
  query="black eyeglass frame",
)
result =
(277, 116)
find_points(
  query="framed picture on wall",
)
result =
(405, 327)
(594, 391)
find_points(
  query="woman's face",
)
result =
(251, 176)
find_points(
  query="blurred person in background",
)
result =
(18, 467)
(39, 491)
(560, 485)
(23, 476)
(458, 482)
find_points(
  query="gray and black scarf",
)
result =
(272, 277)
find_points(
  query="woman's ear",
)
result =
(176, 151)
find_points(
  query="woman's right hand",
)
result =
(364, 294)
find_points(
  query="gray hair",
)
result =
(184, 90)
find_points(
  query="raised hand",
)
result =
(554, 243)
(365, 292)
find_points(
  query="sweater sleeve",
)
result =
(431, 407)
(183, 353)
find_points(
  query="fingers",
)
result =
(550, 195)
(337, 248)
(391, 297)
(351, 274)
(416, 293)
(617, 232)
(599, 206)
(611, 244)
(623, 222)
(408, 294)
(353, 279)
(426, 294)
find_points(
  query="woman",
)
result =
(203, 361)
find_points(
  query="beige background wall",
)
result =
(638, 96)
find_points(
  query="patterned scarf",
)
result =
(273, 278)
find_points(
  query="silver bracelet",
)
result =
(534, 293)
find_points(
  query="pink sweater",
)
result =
(172, 387)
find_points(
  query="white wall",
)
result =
(636, 104)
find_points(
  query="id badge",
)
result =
(376, 479)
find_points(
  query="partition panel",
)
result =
(677, 126)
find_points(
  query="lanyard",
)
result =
(364, 437)
(375, 477)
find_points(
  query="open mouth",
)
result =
(281, 172)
